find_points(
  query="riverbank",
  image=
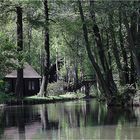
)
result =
(31, 100)
(49, 99)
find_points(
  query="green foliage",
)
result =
(2, 85)
(7, 54)
(65, 36)
(128, 92)
(6, 97)
(56, 88)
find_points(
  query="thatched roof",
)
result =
(28, 72)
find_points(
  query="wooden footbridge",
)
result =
(86, 81)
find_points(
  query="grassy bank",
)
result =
(65, 97)
(49, 99)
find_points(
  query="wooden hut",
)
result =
(31, 81)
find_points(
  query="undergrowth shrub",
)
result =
(56, 88)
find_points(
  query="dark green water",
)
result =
(77, 120)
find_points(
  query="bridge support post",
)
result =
(87, 89)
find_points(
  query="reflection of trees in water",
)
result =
(111, 121)
(88, 115)
(46, 123)
(20, 122)
(12, 114)
(85, 114)
(17, 117)
(115, 115)
(61, 116)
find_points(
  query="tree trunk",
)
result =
(138, 40)
(98, 40)
(123, 50)
(87, 90)
(107, 71)
(19, 89)
(131, 42)
(132, 71)
(115, 50)
(108, 51)
(47, 47)
(29, 42)
(41, 92)
(76, 80)
(57, 69)
(107, 91)
(47, 50)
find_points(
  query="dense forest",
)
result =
(73, 45)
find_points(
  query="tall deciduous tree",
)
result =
(107, 90)
(45, 80)
(19, 82)
(107, 70)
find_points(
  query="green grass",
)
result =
(67, 96)
(72, 95)
(11, 100)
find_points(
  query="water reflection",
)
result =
(70, 120)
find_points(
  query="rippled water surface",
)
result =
(76, 120)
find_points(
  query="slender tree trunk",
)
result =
(132, 71)
(47, 47)
(66, 69)
(138, 28)
(108, 51)
(75, 75)
(57, 71)
(98, 40)
(138, 40)
(76, 72)
(107, 71)
(47, 50)
(87, 90)
(41, 92)
(124, 53)
(19, 89)
(115, 50)
(131, 43)
(76, 81)
(29, 42)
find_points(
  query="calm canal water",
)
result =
(76, 120)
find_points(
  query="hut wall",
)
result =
(31, 86)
